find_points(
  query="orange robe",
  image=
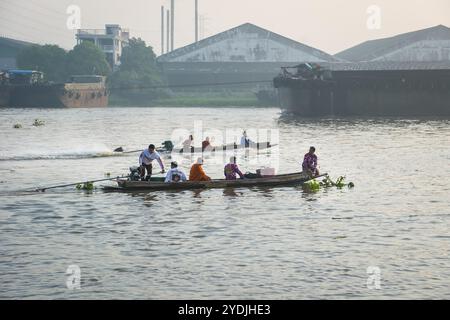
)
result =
(197, 173)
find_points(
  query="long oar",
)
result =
(75, 184)
(82, 182)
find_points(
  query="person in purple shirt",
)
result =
(310, 163)
(231, 169)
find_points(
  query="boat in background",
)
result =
(27, 89)
(4, 89)
(226, 147)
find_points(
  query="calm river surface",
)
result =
(280, 243)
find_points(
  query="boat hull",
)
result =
(278, 180)
(69, 95)
(257, 146)
(4, 95)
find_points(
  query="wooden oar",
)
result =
(75, 184)
(82, 182)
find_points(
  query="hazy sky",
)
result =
(329, 25)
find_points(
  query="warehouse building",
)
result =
(431, 44)
(245, 53)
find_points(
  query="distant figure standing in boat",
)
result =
(245, 141)
(188, 142)
(310, 163)
(197, 173)
(231, 169)
(145, 162)
(175, 175)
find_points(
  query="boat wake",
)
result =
(63, 155)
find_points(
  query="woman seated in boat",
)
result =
(175, 175)
(206, 145)
(231, 169)
(197, 173)
(310, 163)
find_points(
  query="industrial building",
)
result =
(244, 53)
(431, 44)
(110, 40)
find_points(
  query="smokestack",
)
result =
(168, 31)
(196, 20)
(162, 29)
(172, 23)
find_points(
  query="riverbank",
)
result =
(222, 99)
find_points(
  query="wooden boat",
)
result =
(158, 184)
(227, 147)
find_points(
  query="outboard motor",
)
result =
(168, 145)
(135, 174)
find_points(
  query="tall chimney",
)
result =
(168, 31)
(172, 23)
(196, 20)
(162, 29)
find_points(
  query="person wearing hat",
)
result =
(197, 173)
(232, 169)
(175, 175)
(309, 164)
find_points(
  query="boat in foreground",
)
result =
(158, 185)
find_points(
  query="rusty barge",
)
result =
(365, 89)
(26, 89)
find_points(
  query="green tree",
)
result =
(137, 74)
(87, 59)
(49, 59)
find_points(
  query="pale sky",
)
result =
(329, 25)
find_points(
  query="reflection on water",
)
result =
(246, 243)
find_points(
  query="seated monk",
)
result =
(197, 173)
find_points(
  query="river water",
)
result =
(386, 238)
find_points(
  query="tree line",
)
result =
(138, 70)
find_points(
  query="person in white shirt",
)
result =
(187, 144)
(245, 141)
(175, 175)
(145, 162)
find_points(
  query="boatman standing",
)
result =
(245, 141)
(145, 162)
(309, 164)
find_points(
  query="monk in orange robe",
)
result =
(197, 173)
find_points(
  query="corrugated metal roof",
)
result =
(373, 49)
(246, 28)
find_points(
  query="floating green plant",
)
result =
(38, 123)
(89, 186)
(314, 185)
(17, 126)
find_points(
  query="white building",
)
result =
(110, 40)
(244, 53)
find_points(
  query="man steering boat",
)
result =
(145, 162)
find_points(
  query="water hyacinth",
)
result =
(314, 185)
(38, 123)
(88, 186)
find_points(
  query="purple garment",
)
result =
(310, 162)
(231, 170)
